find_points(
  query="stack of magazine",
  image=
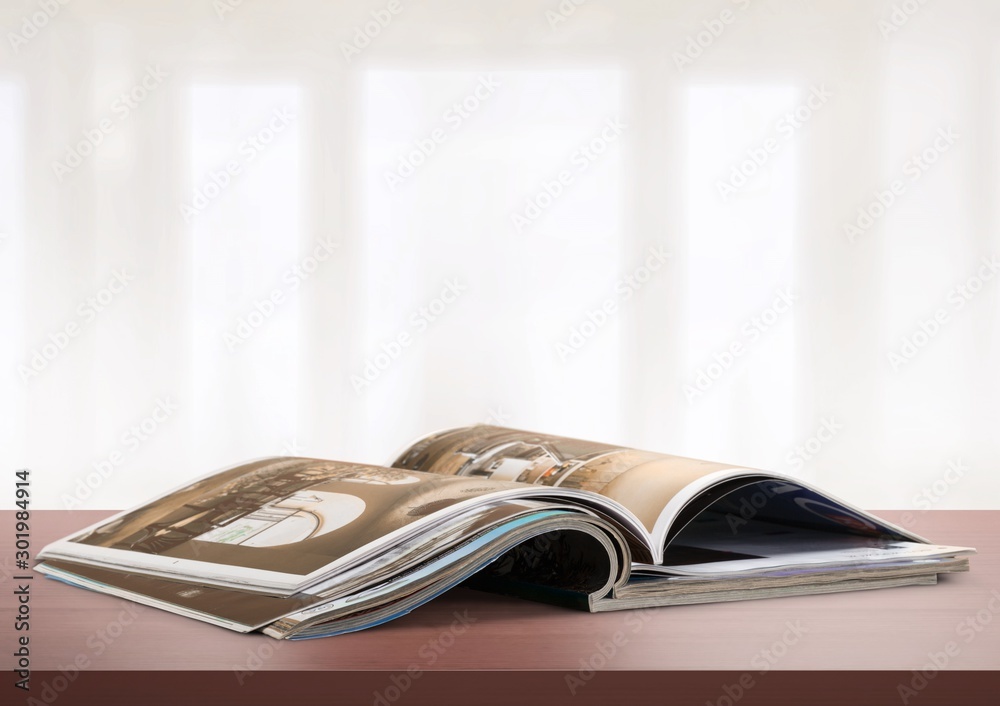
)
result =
(299, 547)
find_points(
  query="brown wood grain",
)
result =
(891, 629)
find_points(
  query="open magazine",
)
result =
(299, 547)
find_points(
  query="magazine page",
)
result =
(279, 525)
(275, 524)
(556, 555)
(643, 481)
(729, 523)
(245, 610)
(670, 493)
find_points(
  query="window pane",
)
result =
(507, 182)
(12, 267)
(740, 177)
(245, 226)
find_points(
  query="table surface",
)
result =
(886, 629)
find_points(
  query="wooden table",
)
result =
(470, 647)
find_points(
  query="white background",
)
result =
(693, 98)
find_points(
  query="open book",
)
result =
(299, 547)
